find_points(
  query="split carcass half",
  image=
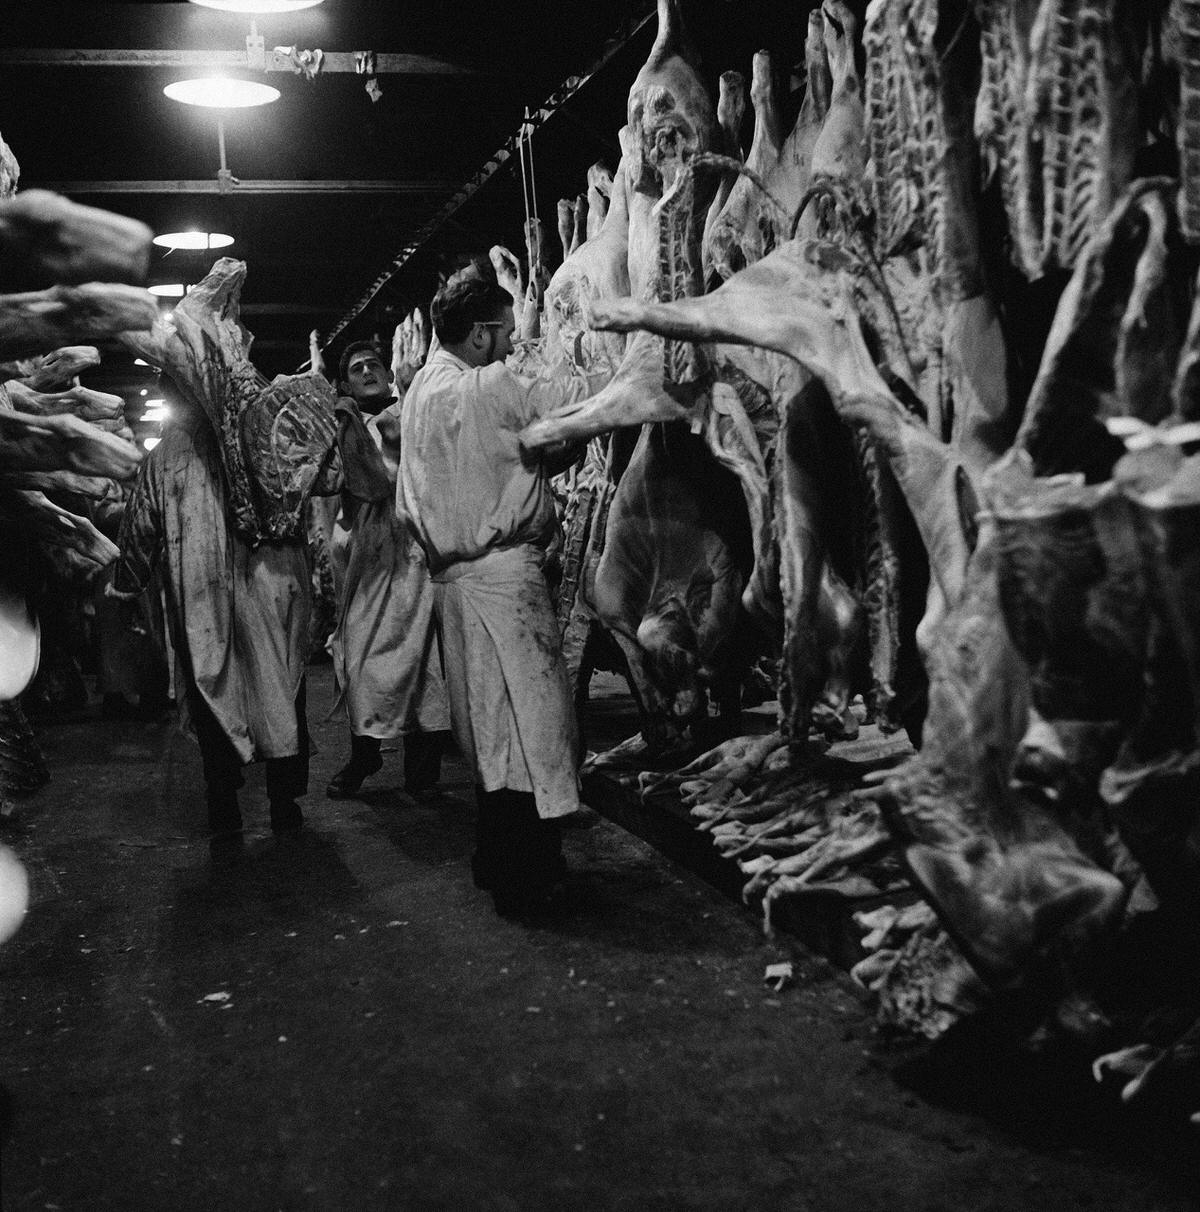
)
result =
(671, 120)
(276, 439)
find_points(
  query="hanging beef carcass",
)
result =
(667, 592)
(671, 121)
(1013, 882)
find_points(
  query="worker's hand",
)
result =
(508, 271)
(316, 360)
(388, 427)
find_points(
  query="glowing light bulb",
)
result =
(193, 240)
(14, 893)
(258, 6)
(221, 92)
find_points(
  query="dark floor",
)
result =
(342, 1022)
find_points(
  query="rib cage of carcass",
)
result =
(276, 438)
(1056, 119)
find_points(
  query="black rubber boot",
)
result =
(365, 760)
(518, 856)
(423, 760)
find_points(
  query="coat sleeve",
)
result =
(141, 536)
(526, 400)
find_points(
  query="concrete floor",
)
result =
(341, 1022)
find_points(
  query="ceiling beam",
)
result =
(213, 186)
(334, 61)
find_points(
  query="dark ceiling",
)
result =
(315, 254)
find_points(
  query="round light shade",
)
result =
(168, 290)
(193, 240)
(258, 6)
(221, 92)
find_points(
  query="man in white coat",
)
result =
(481, 506)
(385, 653)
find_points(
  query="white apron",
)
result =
(510, 699)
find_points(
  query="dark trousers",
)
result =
(515, 850)
(287, 777)
(422, 756)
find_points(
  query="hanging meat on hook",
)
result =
(671, 120)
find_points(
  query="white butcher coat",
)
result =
(239, 613)
(385, 653)
(482, 508)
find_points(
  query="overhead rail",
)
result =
(214, 186)
(352, 62)
(556, 101)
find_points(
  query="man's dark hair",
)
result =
(467, 299)
(357, 347)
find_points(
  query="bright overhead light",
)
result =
(150, 443)
(140, 362)
(221, 92)
(193, 240)
(258, 6)
(156, 403)
(168, 290)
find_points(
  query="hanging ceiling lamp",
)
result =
(258, 6)
(193, 240)
(221, 92)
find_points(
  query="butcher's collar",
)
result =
(452, 358)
